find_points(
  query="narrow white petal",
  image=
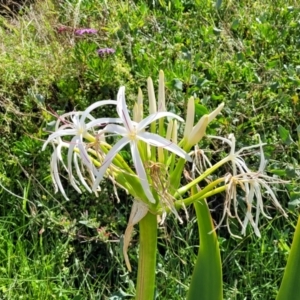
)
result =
(70, 155)
(84, 156)
(79, 174)
(73, 144)
(60, 133)
(102, 121)
(148, 120)
(263, 162)
(53, 168)
(259, 199)
(158, 141)
(95, 105)
(122, 109)
(55, 174)
(108, 159)
(112, 128)
(224, 140)
(140, 170)
(65, 119)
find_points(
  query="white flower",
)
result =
(252, 183)
(132, 133)
(73, 124)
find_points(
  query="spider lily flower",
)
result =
(132, 133)
(200, 162)
(73, 124)
(252, 183)
(56, 159)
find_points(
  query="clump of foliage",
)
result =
(245, 54)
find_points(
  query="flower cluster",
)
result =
(105, 51)
(85, 31)
(79, 31)
(158, 158)
(84, 134)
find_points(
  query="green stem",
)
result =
(206, 283)
(176, 173)
(147, 258)
(290, 285)
(207, 172)
(203, 194)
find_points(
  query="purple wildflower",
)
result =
(105, 51)
(85, 30)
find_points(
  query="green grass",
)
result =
(244, 53)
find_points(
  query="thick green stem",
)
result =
(206, 283)
(290, 285)
(147, 258)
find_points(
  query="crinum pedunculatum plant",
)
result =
(158, 180)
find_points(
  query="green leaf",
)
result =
(206, 283)
(200, 109)
(235, 24)
(290, 285)
(285, 135)
(218, 4)
(298, 130)
(177, 84)
(293, 205)
(279, 172)
(290, 172)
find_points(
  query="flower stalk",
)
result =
(145, 286)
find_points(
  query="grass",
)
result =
(243, 53)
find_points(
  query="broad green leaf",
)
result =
(206, 283)
(290, 285)
(285, 135)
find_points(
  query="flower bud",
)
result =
(189, 123)
(151, 96)
(198, 131)
(161, 92)
(194, 134)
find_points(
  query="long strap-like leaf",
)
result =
(206, 283)
(290, 285)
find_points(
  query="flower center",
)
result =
(132, 134)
